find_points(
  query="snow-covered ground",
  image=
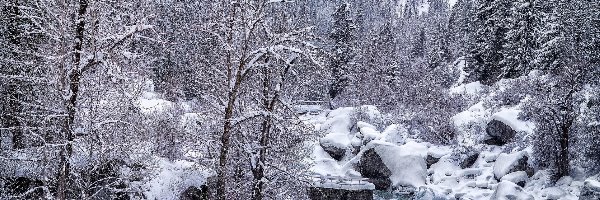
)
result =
(496, 173)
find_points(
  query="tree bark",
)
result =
(13, 86)
(226, 136)
(70, 104)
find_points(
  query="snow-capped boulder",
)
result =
(335, 150)
(498, 133)
(337, 127)
(406, 162)
(372, 167)
(427, 193)
(435, 153)
(192, 193)
(508, 163)
(553, 193)
(591, 188)
(469, 159)
(519, 178)
(507, 190)
(504, 125)
(395, 134)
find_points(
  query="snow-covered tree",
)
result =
(343, 50)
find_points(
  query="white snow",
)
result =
(505, 162)
(553, 193)
(149, 101)
(592, 184)
(509, 116)
(473, 114)
(173, 178)
(439, 151)
(441, 170)
(369, 133)
(468, 124)
(474, 88)
(406, 163)
(516, 177)
(508, 190)
(337, 126)
(395, 134)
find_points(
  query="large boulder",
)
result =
(469, 160)
(519, 178)
(406, 162)
(430, 160)
(372, 167)
(498, 133)
(193, 193)
(336, 152)
(590, 189)
(514, 162)
(510, 190)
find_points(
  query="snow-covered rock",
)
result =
(519, 178)
(507, 163)
(553, 193)
(498, 133)
(591, 188)
(372, 167)
(406, 162)
(173, 178)
(507, 190)
(510, 117)
(337, 127)
(395, 133)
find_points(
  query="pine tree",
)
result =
(490, 36)
(518, 51)
(343, 50)
(437, 45)
(460, 28)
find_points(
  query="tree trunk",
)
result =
(563, 167)
(13, 86)
(226, 136)
(74, 80)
